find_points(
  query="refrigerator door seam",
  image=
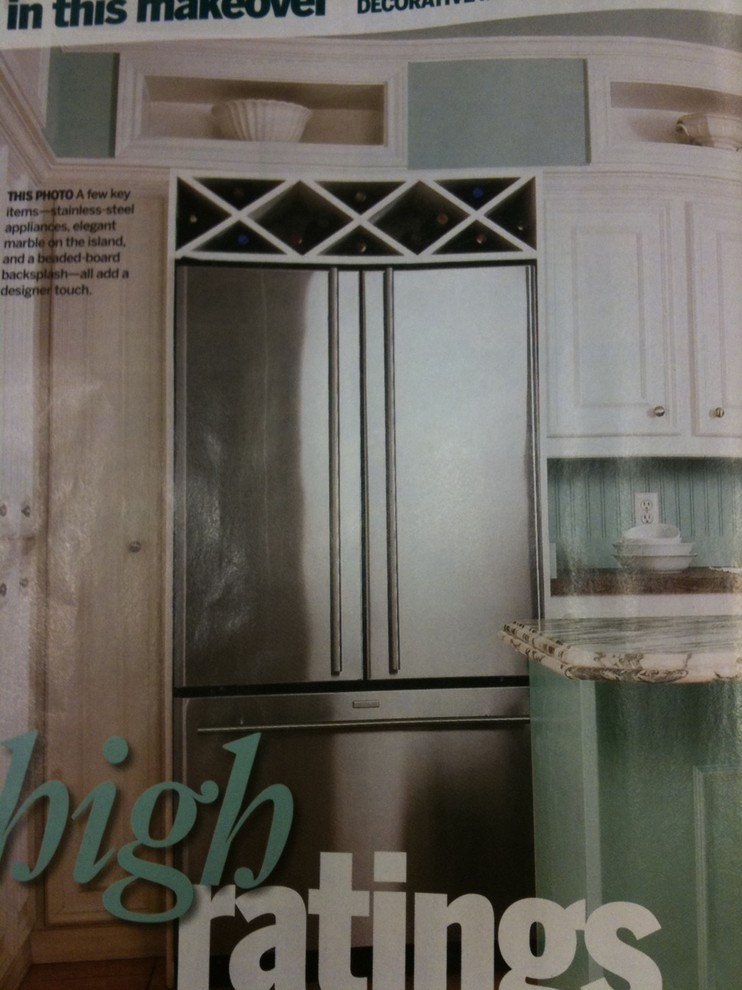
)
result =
(336, 638)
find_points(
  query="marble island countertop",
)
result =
(646, 650)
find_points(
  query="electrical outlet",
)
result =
(646, 508)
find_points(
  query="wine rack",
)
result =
(404, 220)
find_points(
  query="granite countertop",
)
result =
(615, 581)
(646, 650)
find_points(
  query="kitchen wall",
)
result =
(591, 502)
(702, 27)
(81, 111)
(497, 113)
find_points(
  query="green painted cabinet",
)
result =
(638, 797)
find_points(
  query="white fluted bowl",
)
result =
(711, 130)
(261, 120)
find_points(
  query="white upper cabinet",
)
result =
(642, 334)
(612, 333)
(716, 317)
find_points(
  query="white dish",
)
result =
(634, 562)
(654, 549)
(652, 533)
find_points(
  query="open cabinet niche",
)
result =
(637, 105)
(166, 110)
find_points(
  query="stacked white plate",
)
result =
(656, 547)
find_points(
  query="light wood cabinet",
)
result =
(104, 631)
(642, 346)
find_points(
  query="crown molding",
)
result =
(669, 181)
(430, 49)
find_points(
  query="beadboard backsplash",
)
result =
(591, 503)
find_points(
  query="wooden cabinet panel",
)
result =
(104, 648)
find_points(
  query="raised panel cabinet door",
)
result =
(613, 317)
(104, 630)
(716, 315)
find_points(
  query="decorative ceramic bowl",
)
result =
(712, 130)
(261, 120)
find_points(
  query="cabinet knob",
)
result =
(658, 411)
(718, 412)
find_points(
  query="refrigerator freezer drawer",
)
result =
(445, 780)
(328, 710)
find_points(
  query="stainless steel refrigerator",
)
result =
(356, 519)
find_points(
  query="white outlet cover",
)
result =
(646, 508)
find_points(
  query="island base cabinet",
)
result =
(638, 798)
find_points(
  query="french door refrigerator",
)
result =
(356, 519)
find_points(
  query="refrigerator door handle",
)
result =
(391, 475)
(336, 658)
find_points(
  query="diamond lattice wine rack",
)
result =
(378, 221)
